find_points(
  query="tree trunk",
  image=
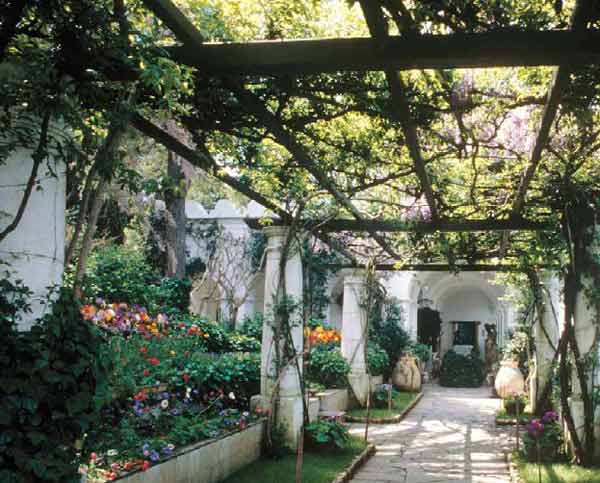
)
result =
(175, 218)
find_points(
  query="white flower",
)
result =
(164, 404)
(112, 453)
(231, 395)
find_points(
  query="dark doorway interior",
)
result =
(465, 333)
(428, 328)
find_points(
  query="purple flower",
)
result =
(174, 411)
(154, 456)
(535, 429)
(550, 417)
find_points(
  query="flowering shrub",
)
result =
(321, 335)
(121, 318)
(543, 438)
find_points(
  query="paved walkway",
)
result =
(450, 436)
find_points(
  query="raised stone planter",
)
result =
(333, 400)
(208, 461)
(376, 381)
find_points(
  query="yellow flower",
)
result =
(173, 353)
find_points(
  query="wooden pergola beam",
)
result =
(184, 30)
(444, 226)
(401, 110)
(489, 49)
(437, 267)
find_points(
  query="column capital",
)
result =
(354, 276)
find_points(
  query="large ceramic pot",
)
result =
(406, 375)
(509, 379)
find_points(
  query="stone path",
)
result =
(450, 436)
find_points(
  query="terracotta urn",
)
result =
(509, 379)
(406, 375)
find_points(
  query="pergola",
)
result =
(229, 66)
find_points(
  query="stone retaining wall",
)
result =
(208, 461)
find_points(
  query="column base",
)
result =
(291, 414)
(359, 382)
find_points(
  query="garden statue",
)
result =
(491, 348)
(406, 375)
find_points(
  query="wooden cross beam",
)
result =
(489, 49)
(437, 267)
(444, 226)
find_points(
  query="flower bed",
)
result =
(208, 461)
(168, 392)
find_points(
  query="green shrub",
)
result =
(327, 434)
(121, 274)
(53, 381)
(171, 296)
(388, 333)
(422, 351)
(327, 365)
(379, 398)
(461, 371)
(377, 359)
(252, 326)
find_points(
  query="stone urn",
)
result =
(406, 375)
(509, 379)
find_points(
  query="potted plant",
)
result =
(515, 403)
(543, 439)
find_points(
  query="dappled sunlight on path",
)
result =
(450, 436)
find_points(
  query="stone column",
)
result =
(290, 410)
(354, 321)
(546, 338)
(34, 251)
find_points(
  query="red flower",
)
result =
(181, 325)
(146, 372)
(115, 466)
(153, 360)
(186, 377)
(111, 476)
(140, 396)
(93, 456)
(144, 350)
(145, 465)
(128, 466)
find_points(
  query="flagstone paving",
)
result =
(450, 436)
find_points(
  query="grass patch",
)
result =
(556, 472)
(320, 467)
(502, 415)
(401, 402)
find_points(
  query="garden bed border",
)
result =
(192, 447)
(390, 420)
(357, 463)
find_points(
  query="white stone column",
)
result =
(546, 338)
(586, 334)
(354, 322)
(290, 410)
(35, 249)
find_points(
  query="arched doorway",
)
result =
(429, 327)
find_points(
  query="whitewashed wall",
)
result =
(35, 250)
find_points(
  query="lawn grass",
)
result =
(557, 473)
(321, 467)
(401, 402)
(524, 418)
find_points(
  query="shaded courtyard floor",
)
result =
(450, 436)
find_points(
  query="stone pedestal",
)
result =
(290, 410)
(353, 332)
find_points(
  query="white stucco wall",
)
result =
(35, 250)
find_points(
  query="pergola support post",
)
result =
(354, 322)
(290, 407)
(546, 336)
